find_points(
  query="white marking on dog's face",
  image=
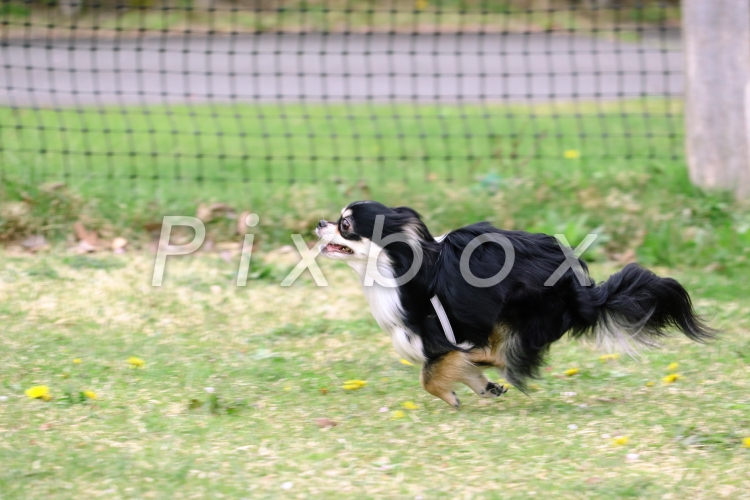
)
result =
(340, 248)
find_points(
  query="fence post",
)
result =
(716, 36)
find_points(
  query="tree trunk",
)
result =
(717, 93)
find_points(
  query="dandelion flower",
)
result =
(607, 357)
(746, 442)
(39, 392)
(409, 405)
(77, 361)
(571, 371)
(649, 384)
(398, 414)
(89, 394)
(672, 377)
(353, 385)
(620, 441)
(572, 154)
(673, 367)
(136, 362)
(421, 4)
(405, 362)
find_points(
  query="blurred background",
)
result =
(556, 116)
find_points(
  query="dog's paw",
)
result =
(494, 390)
(456, 402)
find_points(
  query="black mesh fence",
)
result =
(263, 91)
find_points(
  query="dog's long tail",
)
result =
(636, 307)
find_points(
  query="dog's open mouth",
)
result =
(333, 248)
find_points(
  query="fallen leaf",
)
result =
(83, 234)
(242, 223)
(325, 423)
(627, 257)
(206, 213)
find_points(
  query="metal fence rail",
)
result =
(313, 91)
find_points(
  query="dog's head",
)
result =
(366, 223)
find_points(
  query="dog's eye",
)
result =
(345, 224)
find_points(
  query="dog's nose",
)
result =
(322, 224)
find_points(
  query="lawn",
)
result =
(234, 380)
(286, 143)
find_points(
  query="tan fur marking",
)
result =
(494, 353)
(438, 378)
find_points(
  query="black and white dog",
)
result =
(479, 296)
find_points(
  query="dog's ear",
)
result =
(406, 211)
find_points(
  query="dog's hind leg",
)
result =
(440, 375)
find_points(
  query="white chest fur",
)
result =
(385, 306)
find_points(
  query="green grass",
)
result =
(629, 185)
(276, 359)
(304, 143)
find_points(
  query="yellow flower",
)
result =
(77, 361)
(405, 362)
(39, 392)
(673, 367)
(649, 384)
(620, 441)
(672, 377)
(136, 362)
(353, 385)
(606, 357)
(571, 371)
(89, 394)
(746, 442)
(535, 387)
(572, 154)
(421, 4)
(398, 414)
(409, 405)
